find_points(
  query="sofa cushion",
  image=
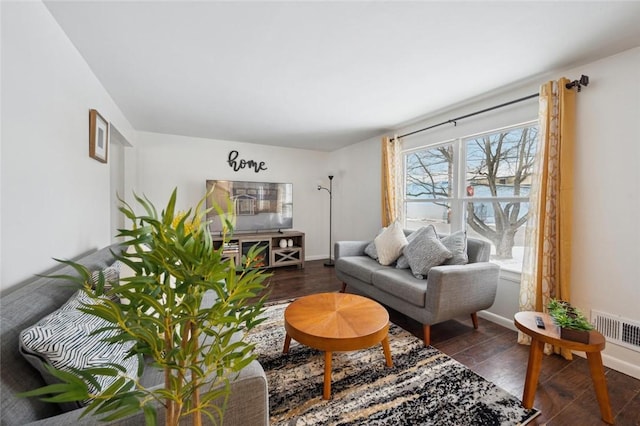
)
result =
(401, 284)
(389, 244)
(425, 251)
(360, 267)
(456, 243)
(66, 339)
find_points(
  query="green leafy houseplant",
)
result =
(160, 309)
(573, 324)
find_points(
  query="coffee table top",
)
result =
(336, 321)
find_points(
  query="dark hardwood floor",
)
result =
(565, 394)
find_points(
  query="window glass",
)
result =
(490, 221)
(429, 173)
(500, 164)
(429, 213)
(480, 184)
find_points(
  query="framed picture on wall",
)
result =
(98, 136)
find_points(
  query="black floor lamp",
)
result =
(330, 191)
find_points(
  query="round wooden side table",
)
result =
(337, 322)
(526, 322)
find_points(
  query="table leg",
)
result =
(387, 351)
(533, 372)
(600, 384)
(326, 392)
(287, 342)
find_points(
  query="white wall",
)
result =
(357, 199)
(606, 253)
(55, 199)
(167, 161)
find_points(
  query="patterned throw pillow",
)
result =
(111, 275)
(389, 244)
(425, 251)
(457, 245)
(64, 340)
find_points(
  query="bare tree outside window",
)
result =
(429, 173)
(494, 197)
(499, 167)
(428, 181)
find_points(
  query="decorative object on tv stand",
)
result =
(283, 243)
(330, 191)
(290, 242)
(98, 136)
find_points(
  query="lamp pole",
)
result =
(330, 191)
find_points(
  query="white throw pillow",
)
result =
(389, 244)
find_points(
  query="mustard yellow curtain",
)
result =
(547, 264)
(390, 180)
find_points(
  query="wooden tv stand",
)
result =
(274, 255)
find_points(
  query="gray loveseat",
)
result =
(447, 292)
(24, 306)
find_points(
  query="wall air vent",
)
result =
(618, 330)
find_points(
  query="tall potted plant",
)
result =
(160, 308)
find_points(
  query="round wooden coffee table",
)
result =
(333, 322)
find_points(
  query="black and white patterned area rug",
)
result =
(424, 386)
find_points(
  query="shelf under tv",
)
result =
(274, 255)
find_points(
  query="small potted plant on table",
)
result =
(573, 324)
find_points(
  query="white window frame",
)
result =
(459, 198)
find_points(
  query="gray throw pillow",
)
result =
(65, 339)
(425, 251)
(457, 245)
(403, 262)
(370, 249)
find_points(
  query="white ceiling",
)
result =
(322, 75)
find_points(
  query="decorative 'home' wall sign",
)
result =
(236, 164)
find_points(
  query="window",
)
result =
(479, 183)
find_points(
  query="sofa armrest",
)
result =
(349, 248)
(248, 403)
(454, 290)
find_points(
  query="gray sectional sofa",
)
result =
(447, 292)
(26, 305)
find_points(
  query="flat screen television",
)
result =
(257, 206)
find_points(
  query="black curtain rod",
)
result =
(584, 81)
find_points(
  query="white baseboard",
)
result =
(315, 257)
(508, 323)
(621, 366)
(609, 361)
